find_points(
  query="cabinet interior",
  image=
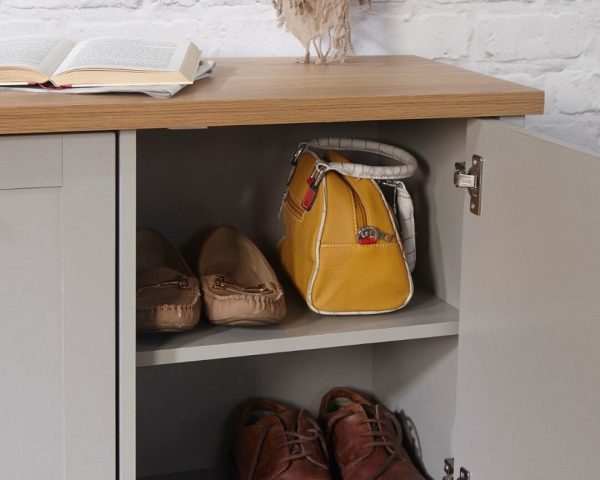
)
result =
(188, 385)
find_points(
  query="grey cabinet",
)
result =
(57, 298)
(514, 395)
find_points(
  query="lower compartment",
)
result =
(186, 412)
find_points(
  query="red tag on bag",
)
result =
(367, 241)
(310, 195)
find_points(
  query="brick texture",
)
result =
(549, 44)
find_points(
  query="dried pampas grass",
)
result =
(322, 24)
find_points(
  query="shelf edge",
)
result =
(264, 347)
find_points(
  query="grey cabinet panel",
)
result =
(31, 161)
(57, 295)
(31, 335)
(89, 272)
(528, 385)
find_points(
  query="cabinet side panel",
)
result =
(89, 306)
(419, 377)
(437, 144)
(31, 334)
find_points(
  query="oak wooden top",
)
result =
(255, 91)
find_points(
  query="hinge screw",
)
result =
(464, 474)
(449, 469)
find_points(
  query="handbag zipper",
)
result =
(360, 212)
(366, 234)
(295, 209)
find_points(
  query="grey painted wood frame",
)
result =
(127, 158)
(89, 269)
(57, 291)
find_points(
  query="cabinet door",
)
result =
(57, 298)
(528, 401)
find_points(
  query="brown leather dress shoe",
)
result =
(168, 294)
(366, 438)
(276, 442)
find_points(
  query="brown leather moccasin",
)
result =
(238, 284)
(366, 438)
(276, 442)
(168, 294)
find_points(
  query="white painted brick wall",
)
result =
(549, 44)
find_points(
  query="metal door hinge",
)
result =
(471, 180)
(449, 471)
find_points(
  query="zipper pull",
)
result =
(313, 184)
(283, 198)
(310, 195)
(370, 235)
(301, 149)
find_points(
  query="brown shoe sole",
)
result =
(186, 319)
(165, 329)
(245, 322)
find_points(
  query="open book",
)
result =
(96, 62)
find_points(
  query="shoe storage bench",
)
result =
(494, 359)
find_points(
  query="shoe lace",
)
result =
(298, 443)
(380, 437)
(294, 441)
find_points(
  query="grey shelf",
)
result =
(211, 474)
(426, 316)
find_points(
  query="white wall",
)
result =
(550, 44)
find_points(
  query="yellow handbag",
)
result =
(344, 247)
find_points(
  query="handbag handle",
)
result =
(407, 162)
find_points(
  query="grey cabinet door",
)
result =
(57, 303)
(528, 393)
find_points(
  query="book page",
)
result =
(125, 53)
(205, 69)
(43, 54)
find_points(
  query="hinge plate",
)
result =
(464, 474)
(471, 180)
(448, 469)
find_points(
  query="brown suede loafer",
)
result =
(276, 442)
(366, 438)
(168, 294)
(238, 284)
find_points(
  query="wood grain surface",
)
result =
(256, 91)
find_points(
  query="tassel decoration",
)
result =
(320, 24)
